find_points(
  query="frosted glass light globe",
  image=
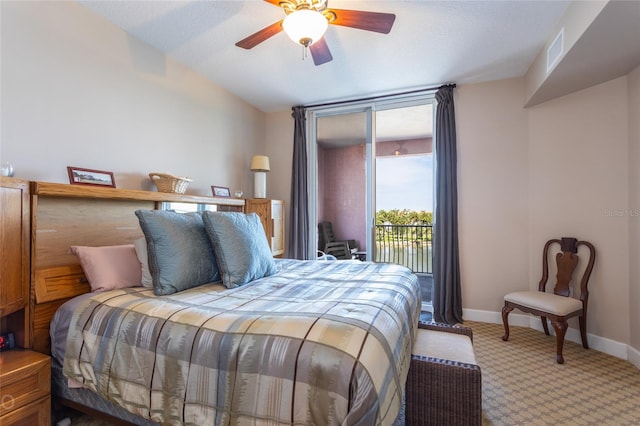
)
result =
(305, 26)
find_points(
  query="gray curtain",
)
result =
(299, 212)
(447, 299)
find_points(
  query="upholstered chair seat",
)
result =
(547, 302)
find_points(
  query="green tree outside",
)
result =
(404, 217)
(404, 225)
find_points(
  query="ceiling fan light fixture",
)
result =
(305, 26)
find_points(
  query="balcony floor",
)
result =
(426, 286)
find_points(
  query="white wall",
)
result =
(77, 91)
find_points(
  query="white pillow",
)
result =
(141, 251)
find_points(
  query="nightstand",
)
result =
(25, 388)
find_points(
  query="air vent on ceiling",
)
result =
(555, 50)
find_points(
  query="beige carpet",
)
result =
(523, 385)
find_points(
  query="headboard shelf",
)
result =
(83, 191)
(63, 215)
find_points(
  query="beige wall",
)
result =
(492, 191)
(528, 175)
(634, 206)
(578, 148)
(77, 91)
(279, 147)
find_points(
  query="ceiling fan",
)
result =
(307, 20)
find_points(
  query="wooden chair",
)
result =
(559, 305)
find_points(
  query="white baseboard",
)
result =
(634, 356)
(491, 317)
(602, 344)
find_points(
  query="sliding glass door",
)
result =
(371, 178)
(341, 173)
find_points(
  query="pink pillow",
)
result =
(109, 267)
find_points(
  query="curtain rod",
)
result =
(371, 98)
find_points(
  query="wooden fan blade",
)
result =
(274, 2)
(320, 52)
(369, 21)
(256, 38)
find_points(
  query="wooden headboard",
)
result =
(65, 215)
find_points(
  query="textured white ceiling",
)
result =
(432, 42)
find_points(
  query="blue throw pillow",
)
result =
(179, 251)
(240, 245)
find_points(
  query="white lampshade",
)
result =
(260, 163)
(305, 26)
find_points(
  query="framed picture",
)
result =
(79, 176)
(221, 191)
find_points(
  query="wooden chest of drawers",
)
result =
(25, 388)
(271, 213)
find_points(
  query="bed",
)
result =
(330, 341)
(313, 342)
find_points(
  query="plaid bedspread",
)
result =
(318, 343)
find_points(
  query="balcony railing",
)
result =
(409, 245)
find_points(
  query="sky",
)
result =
(404, 182)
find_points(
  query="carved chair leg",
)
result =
(545, 326)
(561, 328)
(505, 321)
(583, 331)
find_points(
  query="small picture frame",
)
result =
(80, 176)
(220, 191)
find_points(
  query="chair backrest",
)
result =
(326, 236)
(327, 232)
(566, 262)
(339, 249)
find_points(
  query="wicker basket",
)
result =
(169, 183)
